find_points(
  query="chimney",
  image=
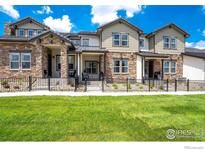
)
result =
(7, 30)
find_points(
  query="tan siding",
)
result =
(172, 33)
(151, 44)
(133, 38)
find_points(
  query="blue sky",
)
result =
(88, 18)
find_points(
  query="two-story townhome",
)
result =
(117, 50)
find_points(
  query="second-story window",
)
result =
(120, 39)
(141, 43)
(85, 42)
(76, 42)
(30, 32)
(169, 42)
(21, 33)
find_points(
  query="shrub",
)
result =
(141, 87)
(161, 87)
(129, 86)
(16, 87)
(6, 86)
(4, 82)
(115, 86)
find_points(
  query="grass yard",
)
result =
(126, 118)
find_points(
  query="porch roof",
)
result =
(94, 49)
(152, 55)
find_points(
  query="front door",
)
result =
(49, 65)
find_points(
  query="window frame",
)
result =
(10, 60)
(23, 61)
(31, 30)
(141, 40)
(169, 43)
(21, 30)
(170, 62)
(87, 39)
(120, 39)
(120, 66)
(91, 61)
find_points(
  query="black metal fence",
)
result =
(103, 84)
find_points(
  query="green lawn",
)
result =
(126, 118)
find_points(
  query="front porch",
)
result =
(152, 65)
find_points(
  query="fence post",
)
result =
(167, 85)
(127, 84)
(149, 84)
(85, 85)
(103, 84)
(188, 85)
(49, 83)
(175, 85)
(30, 83)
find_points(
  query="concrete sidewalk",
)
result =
(94, 93)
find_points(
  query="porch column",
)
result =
(39, 61)
(64, 62)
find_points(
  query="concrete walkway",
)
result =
(93, 93)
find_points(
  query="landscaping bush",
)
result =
(115, 86)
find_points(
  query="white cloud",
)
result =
(60, 24)
(199, 45)
(105, 13)
(203, 9)
(44, 10)
(10, 11)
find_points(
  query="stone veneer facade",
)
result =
(132, 64)
(179, 67)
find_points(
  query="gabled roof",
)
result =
(195, 54)
(171, 25)
(29, 19)
(53, 33)
(120, 20)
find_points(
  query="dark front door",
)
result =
(49, 65)
(151, 69)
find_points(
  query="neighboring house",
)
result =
(117, 49)
(194, 64)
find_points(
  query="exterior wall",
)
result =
(193, 68)
(106, 36)
(132, 64)
(151, 44)
(7, 30)
(146, 44)
(179, 68)
(173, 33)
(93, 40)
(35, 70)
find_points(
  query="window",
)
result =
(85, 42)
(14, 60)
(39, 31)
(124, 38)
(169, 42)
(26, 60)
(120, 66)
(141, 43)
(58, 62)
(71, 62)
(116, 39)
(119, 39)
(30, 33)
(91, 67)
(76, 42)
(166, 42)
(173, 43)
(116, 66)
(124, 66)
(21, 33)
(169, 67)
